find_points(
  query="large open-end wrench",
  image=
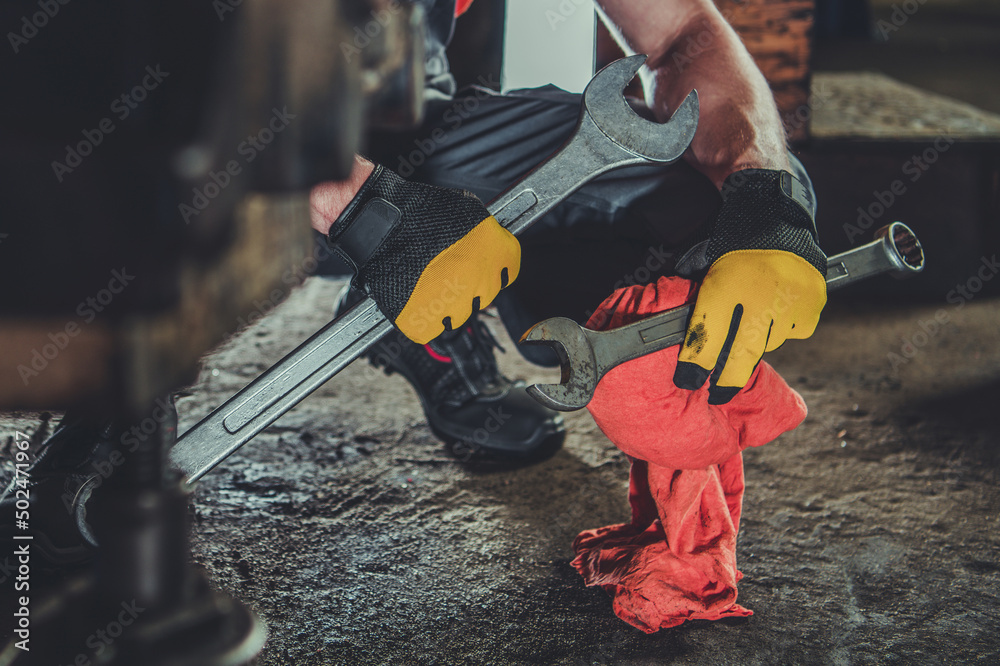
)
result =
(586, 355)
(608, 135)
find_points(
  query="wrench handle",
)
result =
(585, 156)
(619, 345)
(278, 389)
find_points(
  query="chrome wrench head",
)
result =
(903, 248)
(608, 135)
(580, 373)
(657, 142)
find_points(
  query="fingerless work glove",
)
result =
(428, 256)
(765, 283)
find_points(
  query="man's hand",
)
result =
(766, 283)
(430, 257)
(766, 278)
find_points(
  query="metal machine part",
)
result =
(609, 135)
(586, 355)
(389, 39)
(197, 186)
(158, 609)
(169, 147)
(213, 629)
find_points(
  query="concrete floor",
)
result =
(871, 533)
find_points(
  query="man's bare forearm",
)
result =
(690, 45)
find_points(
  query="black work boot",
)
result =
(66, 477)
(69, 466)
(468, 403)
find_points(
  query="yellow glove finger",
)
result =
(706, 336)
(781, 331)
(477, 266)
(744, 355)
(806, 322)
(780, 296)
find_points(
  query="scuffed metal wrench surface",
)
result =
(609, 135)
(585, 355)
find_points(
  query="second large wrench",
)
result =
(587, 355)
(608, 135)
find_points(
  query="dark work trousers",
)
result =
(625, 227)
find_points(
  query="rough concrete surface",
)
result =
(870, 534)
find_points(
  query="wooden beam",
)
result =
(777, 34)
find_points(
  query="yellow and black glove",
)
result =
(765, 282)
(429, 256)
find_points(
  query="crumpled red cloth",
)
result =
(676, 559)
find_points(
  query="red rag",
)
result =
(676, 559)
(461, 6)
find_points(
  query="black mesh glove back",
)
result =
(429, 256)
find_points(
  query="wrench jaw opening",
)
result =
(577, 365)
(904, 248)
(656, 142)
(554, 396)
